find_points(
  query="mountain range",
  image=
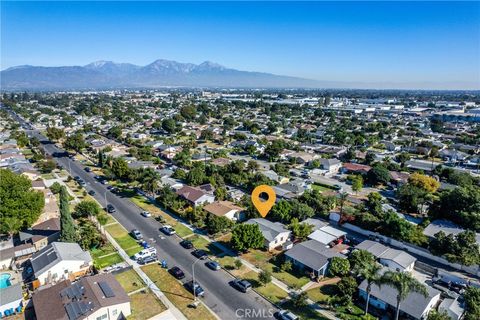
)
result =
(160, 73)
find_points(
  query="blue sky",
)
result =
(343, 41)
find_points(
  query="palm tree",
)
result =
(370, 273)
(342, 197)
(404, 283)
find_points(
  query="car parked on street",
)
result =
(110, 208)
(186, 244)
(213, 265)
(168, 230)
(146, 214)
(285, 315)
(200, 254)
(195, 288)
(91, 192)
(242, 285)
(146, 260)
(177, 272)
(137, 235)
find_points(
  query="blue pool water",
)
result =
(5, 280)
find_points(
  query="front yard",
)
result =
(130, 280)
(145, 305)
(271, 291)
(123, 238)
(176, 293)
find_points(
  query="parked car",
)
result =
(146, 214)
(111, 209)
(201, 254)
(213, 265)
(160, 219)
(285, 315)
(242, 285)
(177, 273)
(338, 187)
(137, 235)
(76, 178)
(145, 253)
(88, 169)
(91, 192)
(186, 244)
(148, 259)
(109, 187)
(195, 288)
(168, 230)
(104, 182)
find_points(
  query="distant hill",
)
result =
(160, 73)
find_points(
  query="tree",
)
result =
(357, 183)
(472, 303)
(88, 235)
(188, 112)
(282, 211)
(437, 315)
(300, 230)
(364, 265)
(404, 283)
(460, 205)
(120, 168)
(55, 134)
(196, 176)
(411, 198)
(460, 248)
(87, 208)
(20, 205)
(265, 277)
(56, 187)
(286, 266)
(374, 203)
(339, 267)
(238, 263)
(68, 233)
(378, 174)
(47, 166)
(75, 142)
(247, 236)
(347, 287)
(301, 210)
(424, 182)
(169, 125)
(216, 224)
(115, 132)
(300, 300)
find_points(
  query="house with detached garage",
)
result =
(311, 256)
(57, 262)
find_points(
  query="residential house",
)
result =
(42, 234)
(397, 260)
(272, 175)
(292, 189)
(226, 209)
(421, 165)
(59, 261)
(11, 300)
(327, 235)
(274, 233)
(455, 308)
(303, 157)
(195, 196)
(414, 306)
(311, 256)
(446, 227)
(91, 298)
(355, 168)
(331, 165)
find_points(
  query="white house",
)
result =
(331, 165)
(275, 233)
(396, 260)
(195, 196)
(59, 261)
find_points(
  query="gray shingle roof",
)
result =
(269, 229)
(415, 304)
(312, 254)
(11, 294)
(383, 252)
(56, 252)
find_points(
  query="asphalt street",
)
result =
(221, 297)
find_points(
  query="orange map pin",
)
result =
(263, 206)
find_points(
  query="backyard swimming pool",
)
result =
(5, 280)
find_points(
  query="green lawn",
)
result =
(106, 261)
(202, 243)
(130, 280)
(123, 238)
(288, 278)
(176, 293)
(106, 249)
(145, 305)
(47, 176)
(323, 293)
(258, 258)
(131, 251)
(182, 230)
(321, 188)
(270, 291)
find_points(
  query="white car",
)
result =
(168, 230)
(146, 214)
